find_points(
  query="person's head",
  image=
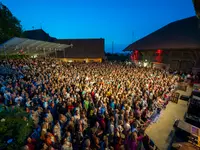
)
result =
(56, 122)
(142, 132)
(27, 109)
(52, 104)
(135, 124)
(95, 110)
(112, 119)
(25, 147)
(126, 120)
(87, 143)
(134, 136)
(122, 112)
(77, 113)
(97, 124)
(64, 105)
(68, 134)
(131, 113)
(120, 122)
(46, 119)
(24, 118)
(83, 114)
(45, 146)
(72, 119)
(29, 140)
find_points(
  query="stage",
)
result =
(161, 132)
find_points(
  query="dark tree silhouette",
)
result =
(14, 126)
(9, 25)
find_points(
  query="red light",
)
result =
(134, 55)
(159, 51)
(159, 56)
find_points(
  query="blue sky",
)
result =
(121, 21)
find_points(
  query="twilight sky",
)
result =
(121, 21)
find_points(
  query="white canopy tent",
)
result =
(30, 47)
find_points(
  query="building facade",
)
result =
(183, 60)
(176, 44)
(87, 50)
(81, 50)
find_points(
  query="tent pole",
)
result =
(44, 54)
(64, 52)
(5, 54)
(55, 53)
(28, 51)
(4, 51)
(22, 51)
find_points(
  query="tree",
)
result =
(14, 127)
(9, 25)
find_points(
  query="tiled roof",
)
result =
(181, 34)
(38, 34)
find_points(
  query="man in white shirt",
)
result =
(127, 125)
(18, 98)
(77, 116)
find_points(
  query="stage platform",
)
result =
(161, 132)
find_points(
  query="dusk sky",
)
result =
(121, 21)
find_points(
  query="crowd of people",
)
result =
(89, 106)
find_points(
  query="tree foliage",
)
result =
(14, 126)
(9, 25)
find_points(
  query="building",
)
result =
(87, 50)
(38, 34)
(176, 44)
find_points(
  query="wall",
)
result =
(161, 66)
(195, 70)
(87, 60)
(183, 60)
(82, 48)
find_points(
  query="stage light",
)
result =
(159, 51)
(159, 55)
(34, 56)
(145, 64)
